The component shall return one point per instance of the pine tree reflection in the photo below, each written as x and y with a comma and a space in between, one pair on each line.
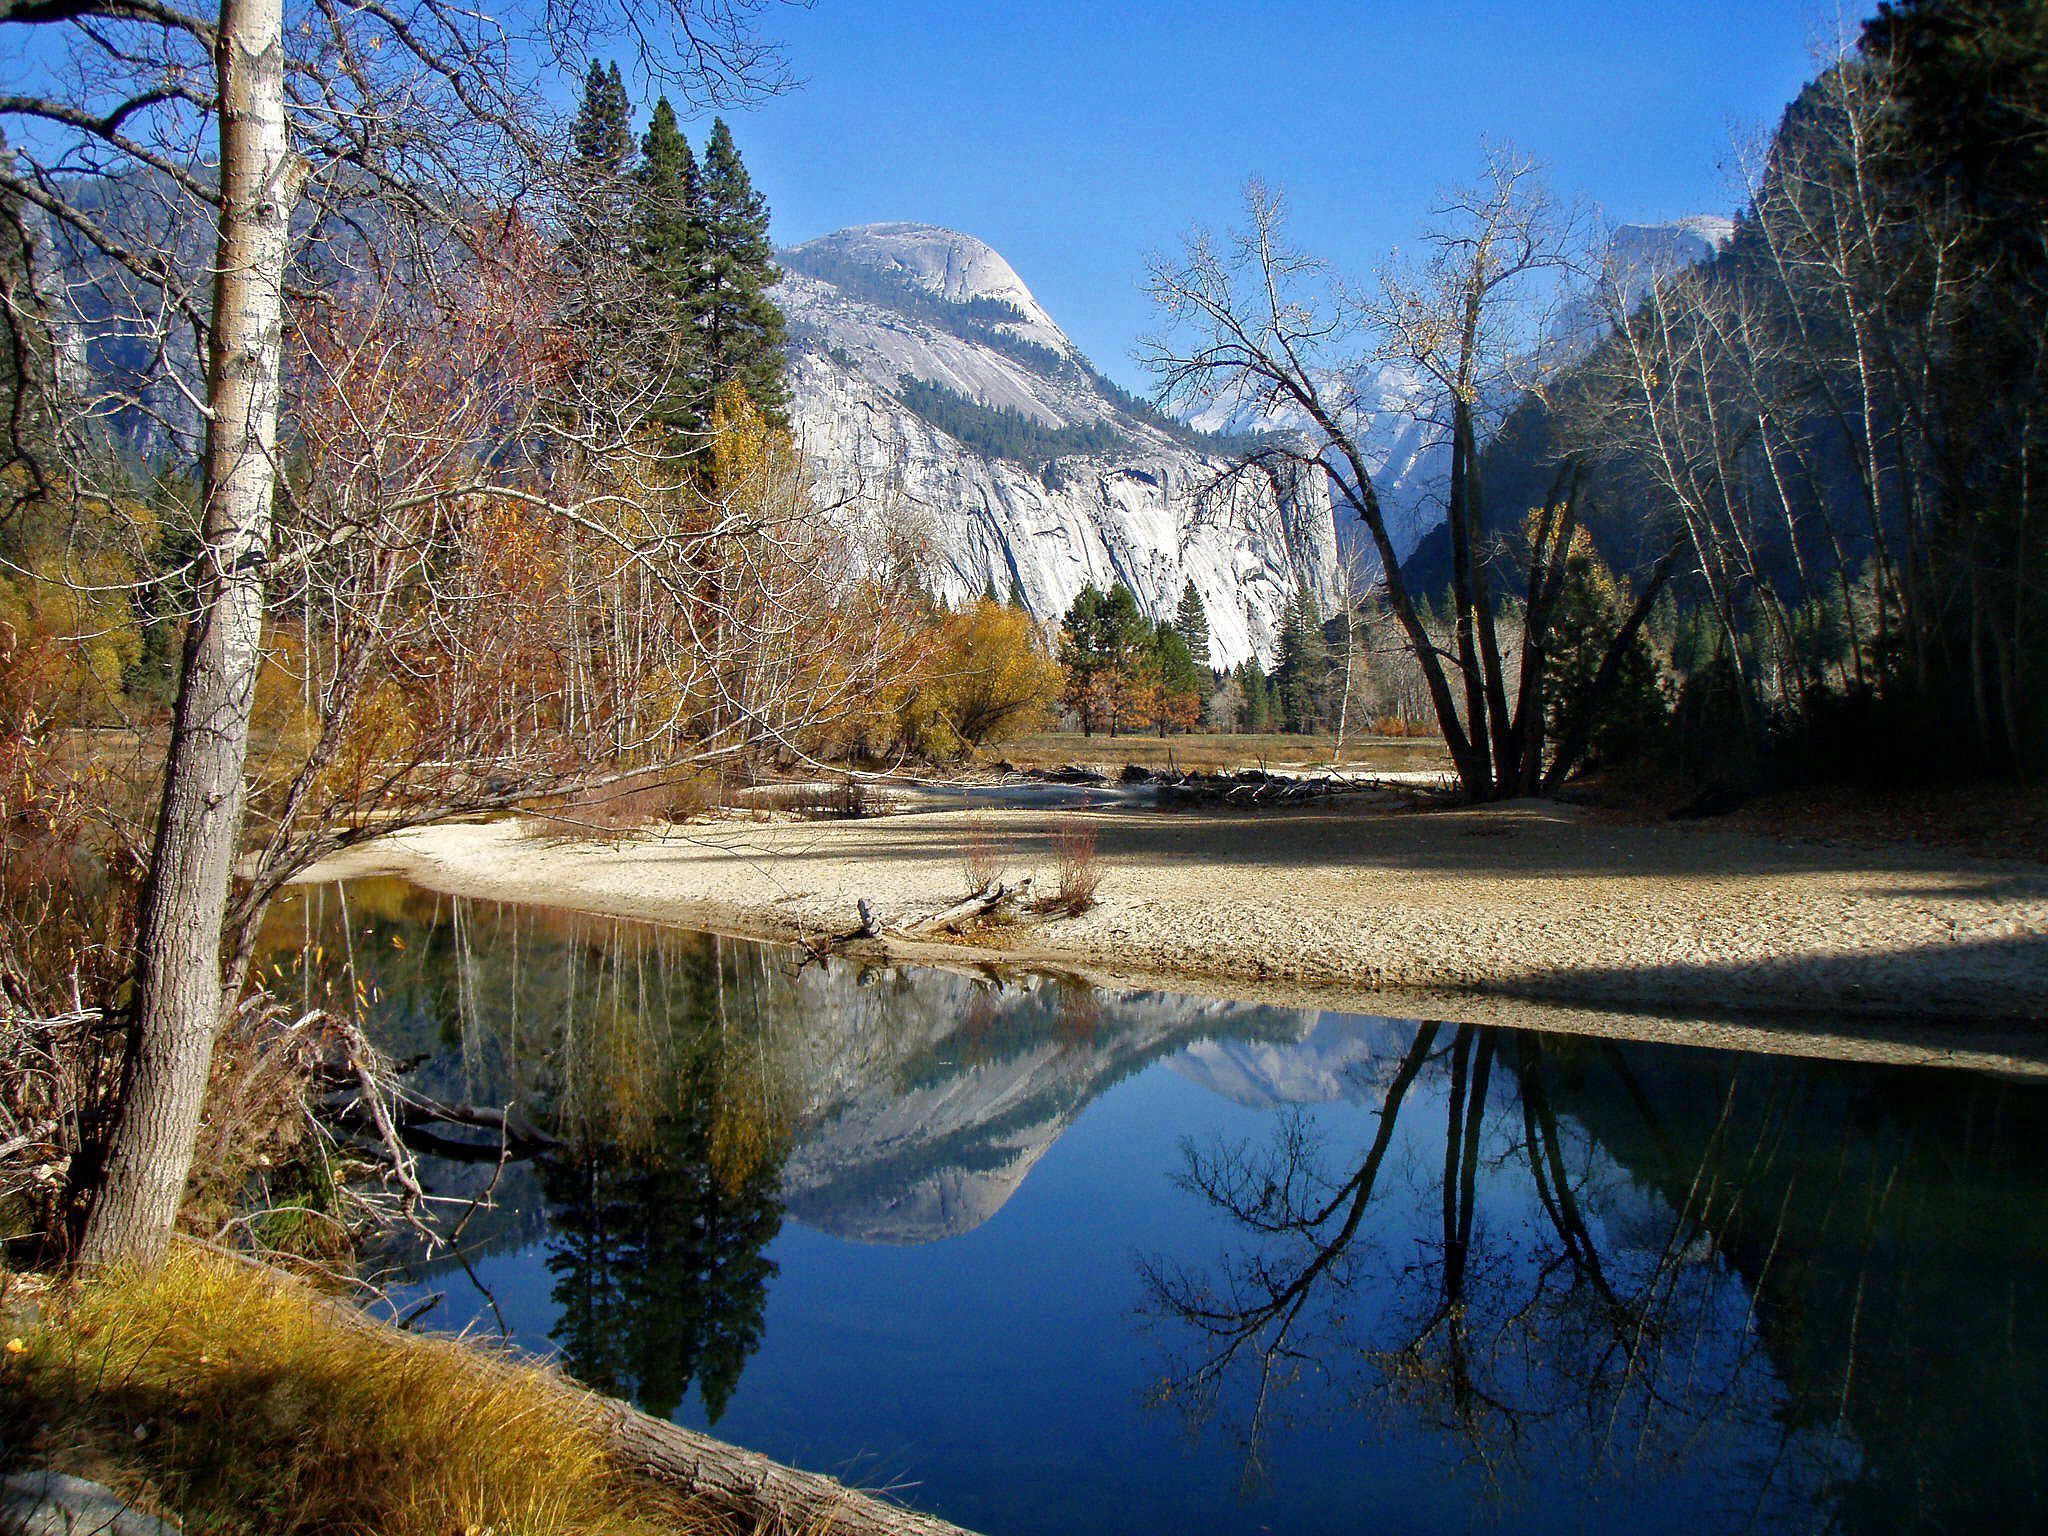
665, 1197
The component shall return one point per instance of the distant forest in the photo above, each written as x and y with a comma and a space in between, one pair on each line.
1003, 432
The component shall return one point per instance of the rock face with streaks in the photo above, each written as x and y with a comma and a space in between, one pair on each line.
928, 384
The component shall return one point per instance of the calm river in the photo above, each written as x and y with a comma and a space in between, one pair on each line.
1051, 1260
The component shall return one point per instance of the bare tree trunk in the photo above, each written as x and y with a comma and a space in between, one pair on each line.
178, 998
1475, 769
1350, 660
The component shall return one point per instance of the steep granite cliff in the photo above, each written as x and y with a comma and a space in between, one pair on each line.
927, 382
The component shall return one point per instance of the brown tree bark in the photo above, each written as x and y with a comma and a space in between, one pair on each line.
178, 989
751, 1484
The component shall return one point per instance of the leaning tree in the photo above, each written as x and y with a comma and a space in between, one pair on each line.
1254, 321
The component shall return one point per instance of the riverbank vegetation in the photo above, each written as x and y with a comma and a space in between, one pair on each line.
240, 1401
1765, 517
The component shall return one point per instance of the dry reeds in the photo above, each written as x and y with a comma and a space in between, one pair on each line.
617, 811
242, 1403
985, 859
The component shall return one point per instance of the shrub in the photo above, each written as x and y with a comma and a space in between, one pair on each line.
845, 799
985, 859
614, 812
985, 679
1077, 866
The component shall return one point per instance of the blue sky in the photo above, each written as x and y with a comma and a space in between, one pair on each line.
1076, 137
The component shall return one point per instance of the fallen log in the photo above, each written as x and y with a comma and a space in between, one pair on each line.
523, 1135
409, 1111
749, 1482
981, 906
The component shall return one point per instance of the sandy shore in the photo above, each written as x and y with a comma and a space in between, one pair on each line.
1523, 913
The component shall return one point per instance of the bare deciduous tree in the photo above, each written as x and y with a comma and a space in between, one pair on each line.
202, 166
1256, 321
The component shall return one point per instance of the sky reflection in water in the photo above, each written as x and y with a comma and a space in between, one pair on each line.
1060, 1261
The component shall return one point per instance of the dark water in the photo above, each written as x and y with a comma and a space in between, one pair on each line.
1051, 1260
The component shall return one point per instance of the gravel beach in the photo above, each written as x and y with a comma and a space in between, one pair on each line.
1493, 910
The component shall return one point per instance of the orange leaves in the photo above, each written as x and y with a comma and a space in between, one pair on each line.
983, 676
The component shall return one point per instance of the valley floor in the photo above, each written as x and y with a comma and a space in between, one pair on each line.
1532, 912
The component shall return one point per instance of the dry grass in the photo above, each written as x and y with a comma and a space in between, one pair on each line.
1077, 866
238, 1402
615, 812
985, 859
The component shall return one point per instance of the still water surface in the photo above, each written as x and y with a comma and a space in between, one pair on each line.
1047, 1259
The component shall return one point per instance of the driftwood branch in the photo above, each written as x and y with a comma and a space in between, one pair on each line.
524, 1137
710, 1469
399, 1110
992, 901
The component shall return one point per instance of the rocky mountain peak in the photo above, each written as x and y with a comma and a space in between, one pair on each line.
953, 267
927, 380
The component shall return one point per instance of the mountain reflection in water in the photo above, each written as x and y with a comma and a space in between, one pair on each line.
1064, 1260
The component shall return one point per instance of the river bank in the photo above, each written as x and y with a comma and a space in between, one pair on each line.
1529, 912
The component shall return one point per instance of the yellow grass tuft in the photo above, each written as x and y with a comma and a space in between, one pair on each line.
240, 1402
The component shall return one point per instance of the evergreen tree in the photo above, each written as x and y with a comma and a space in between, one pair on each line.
1256, 714
602, 135
596, 241
1107, 648
1017, 597
741, 328
1191, 623
1180, 681
669, 248
1301, 674
988, 593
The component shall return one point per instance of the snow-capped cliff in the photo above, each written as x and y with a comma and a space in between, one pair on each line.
928, 383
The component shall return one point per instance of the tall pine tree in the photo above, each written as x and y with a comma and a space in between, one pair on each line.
1191, 623
597, 243
602, 135
741, 328
1301, 675
669, 249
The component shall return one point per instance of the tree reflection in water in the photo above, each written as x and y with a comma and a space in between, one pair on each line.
664, 1199
1724, 1290
647, 1053
1725, 1256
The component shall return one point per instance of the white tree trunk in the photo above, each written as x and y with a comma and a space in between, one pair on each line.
178, 990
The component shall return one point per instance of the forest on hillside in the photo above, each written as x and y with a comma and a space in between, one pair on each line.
1767, 519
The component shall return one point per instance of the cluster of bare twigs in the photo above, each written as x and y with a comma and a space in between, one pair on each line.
52, 1072
1077, 866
